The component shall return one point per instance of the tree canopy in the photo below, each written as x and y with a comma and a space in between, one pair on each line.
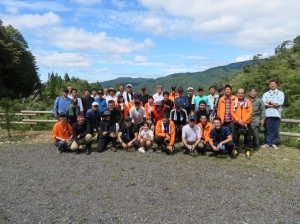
18, 69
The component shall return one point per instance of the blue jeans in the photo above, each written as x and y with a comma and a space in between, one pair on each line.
272, 130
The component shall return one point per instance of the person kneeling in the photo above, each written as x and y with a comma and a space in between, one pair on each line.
145, 138
220, 139
191, 136
107, 132
128, 134
165, 134
81, 135
61, 133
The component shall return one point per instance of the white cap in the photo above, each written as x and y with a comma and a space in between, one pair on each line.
129, 85
190, 88
95, 104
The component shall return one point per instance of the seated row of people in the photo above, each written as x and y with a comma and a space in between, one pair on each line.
200, 137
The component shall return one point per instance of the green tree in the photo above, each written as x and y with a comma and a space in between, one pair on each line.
18, 69
7, 113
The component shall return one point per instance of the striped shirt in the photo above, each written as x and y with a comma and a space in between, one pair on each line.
228, 117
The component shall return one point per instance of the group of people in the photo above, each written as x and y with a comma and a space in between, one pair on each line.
199, 123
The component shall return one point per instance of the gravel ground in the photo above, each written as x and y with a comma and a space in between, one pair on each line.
40, 186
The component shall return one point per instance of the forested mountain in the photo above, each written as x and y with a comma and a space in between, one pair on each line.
18, 69
196, 79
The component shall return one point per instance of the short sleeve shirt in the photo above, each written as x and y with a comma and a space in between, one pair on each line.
220, 135
191, 134
149, 133
132, 129
137, 115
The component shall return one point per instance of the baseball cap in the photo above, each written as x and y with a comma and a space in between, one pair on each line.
106, 113
127, 119
143, 88
180, 89
178, 102
129, 85
173, 87
137, 101
202, 102
62, 114
200, 89
190, 88
95, 104
192, 117
221, 88
100, 92
158, 103
74, 101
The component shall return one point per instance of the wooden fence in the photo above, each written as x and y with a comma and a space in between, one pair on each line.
31, 121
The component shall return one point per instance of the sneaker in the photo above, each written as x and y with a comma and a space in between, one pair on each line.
228, 157
59, 150
88, 151
248, 155
265, 146
114, 148
274, 146
235, 153
141, 149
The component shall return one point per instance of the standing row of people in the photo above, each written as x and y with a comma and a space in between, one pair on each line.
240, 115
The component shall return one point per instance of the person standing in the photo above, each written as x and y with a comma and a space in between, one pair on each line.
179, 117
128, 96
61, 103
221, 91
224, 108
200, 97
158, 96
257, 118
241, 110
191, 97
112, 95
87, 101
173, 93
94, 94
93, 115
143, 96
74, 96
148, 108
81, 135
273, 100
182, 99
137, 113
72, 111
102, 105
167, 103
212, 97
106, 93
61, 133
121, 90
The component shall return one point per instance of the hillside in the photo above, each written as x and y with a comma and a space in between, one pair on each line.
196, 79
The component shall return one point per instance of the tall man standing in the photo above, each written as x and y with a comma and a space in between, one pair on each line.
257, 118
211, 97
224, 108
241, 114
61, 103
273, 100
87, 101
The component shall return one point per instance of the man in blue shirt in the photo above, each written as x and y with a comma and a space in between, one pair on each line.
273, 100
102, 105
183, 100
93, 115
220, 139
61, 103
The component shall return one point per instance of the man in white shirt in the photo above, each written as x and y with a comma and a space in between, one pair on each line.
211, 97
128, 96
106, 93
158, 96
138, 114
121, 90
112, 95
74, 95
191, 136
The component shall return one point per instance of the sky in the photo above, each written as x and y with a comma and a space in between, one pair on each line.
100, 40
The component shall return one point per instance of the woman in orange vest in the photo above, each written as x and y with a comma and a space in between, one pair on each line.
156, 113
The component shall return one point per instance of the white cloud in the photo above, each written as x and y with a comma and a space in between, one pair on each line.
86, 2
12, 10
31, 21
35, 6
243, 58
100, 71
193, 57
79, 39
65, 60
119, 4
140, 59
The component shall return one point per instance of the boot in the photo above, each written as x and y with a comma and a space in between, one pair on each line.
88, 148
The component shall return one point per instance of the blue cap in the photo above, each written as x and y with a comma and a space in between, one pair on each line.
192, 117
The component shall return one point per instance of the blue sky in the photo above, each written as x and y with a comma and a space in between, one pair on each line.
99, 40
